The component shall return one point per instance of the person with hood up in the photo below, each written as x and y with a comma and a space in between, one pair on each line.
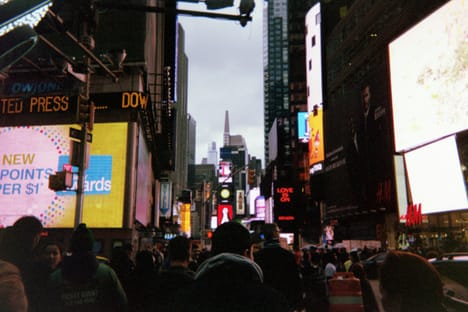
82, 283
229, 280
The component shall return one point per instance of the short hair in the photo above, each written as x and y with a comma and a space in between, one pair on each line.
230, 237
27, 228
269, 231
414, 279
179, 248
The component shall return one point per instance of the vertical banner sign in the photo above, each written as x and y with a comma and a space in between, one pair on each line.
165, 199
240, 202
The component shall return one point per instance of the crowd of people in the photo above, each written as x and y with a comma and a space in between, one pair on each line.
39, 274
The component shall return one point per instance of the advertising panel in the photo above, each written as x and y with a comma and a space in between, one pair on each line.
316, 142
31, 153
284, 212
144, 189
224, 172
429, 92
224, 213
240, 202
315, 89
435, 177
303, 131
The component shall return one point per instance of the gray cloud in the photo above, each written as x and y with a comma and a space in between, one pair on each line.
225, 73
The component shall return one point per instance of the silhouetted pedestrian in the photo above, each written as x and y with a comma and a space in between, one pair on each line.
279, 266
82, 283
17, 247
122, 262
141, 287
12, 294
370, 305
176, 276
230, 280
315, 285
409, 283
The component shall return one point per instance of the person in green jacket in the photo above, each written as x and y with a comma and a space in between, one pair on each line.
84, 284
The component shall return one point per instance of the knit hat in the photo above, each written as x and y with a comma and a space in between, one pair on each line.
82, 239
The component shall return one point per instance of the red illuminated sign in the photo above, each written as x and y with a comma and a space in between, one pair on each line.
285, 218
285, 194
224, 213
413, 214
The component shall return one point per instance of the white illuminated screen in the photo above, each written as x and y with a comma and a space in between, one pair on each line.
429, 77
435, 177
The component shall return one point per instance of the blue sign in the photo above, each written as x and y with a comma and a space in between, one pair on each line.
98, 179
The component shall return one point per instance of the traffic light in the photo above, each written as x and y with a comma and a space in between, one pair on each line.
246, 7
225, 193
252, 177
61, 181
86, 111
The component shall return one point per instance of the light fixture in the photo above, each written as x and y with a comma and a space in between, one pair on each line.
17, 36
16, 13
15, 44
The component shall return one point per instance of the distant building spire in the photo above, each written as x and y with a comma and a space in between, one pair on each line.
226, 129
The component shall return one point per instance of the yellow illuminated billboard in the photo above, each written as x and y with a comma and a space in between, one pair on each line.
29, 154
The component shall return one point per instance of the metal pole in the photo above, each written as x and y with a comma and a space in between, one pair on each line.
83, 153
88, 41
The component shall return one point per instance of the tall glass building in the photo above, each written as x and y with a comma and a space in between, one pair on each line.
276, 72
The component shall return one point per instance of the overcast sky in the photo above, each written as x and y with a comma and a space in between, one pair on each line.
225, 73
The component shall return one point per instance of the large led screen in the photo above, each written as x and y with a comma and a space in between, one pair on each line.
435, 177
429, 77
29, 154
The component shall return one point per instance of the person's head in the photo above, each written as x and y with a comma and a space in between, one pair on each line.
231, 237
270, 231
144, 260
315, 258
27, 231
82, 240
408, 282
51, 253
354, 256
179, 249
365, 96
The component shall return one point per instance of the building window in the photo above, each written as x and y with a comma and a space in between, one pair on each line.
313, 41
310, 64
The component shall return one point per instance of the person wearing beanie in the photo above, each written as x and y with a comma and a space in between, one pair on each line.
229, 280
82, 283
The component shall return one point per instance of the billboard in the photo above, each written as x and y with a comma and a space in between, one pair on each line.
316, 142
435, 177
225, 213
314, 88
429, 78
303, 132
31, 153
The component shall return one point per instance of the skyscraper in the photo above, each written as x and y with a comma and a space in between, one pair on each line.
276, 71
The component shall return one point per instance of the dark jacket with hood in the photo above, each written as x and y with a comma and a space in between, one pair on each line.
84, 284
229, 282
